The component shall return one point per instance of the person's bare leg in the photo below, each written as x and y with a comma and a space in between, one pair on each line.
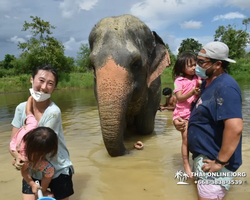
29, 197
200, 198
185, 152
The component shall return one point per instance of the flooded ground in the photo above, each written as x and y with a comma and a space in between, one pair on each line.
147, 174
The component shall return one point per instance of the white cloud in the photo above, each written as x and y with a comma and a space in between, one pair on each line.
69, 43
169, 12
28, 36
16, 39
7, 16
243, 4
70, 7
73, 45
231, 15
191, 24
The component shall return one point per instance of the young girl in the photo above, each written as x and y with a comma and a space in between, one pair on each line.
30, 146
186, 91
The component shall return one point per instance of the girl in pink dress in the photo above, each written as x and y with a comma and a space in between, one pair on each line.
30, 146
186, 91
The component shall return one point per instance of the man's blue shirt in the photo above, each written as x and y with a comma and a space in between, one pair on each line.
219, 101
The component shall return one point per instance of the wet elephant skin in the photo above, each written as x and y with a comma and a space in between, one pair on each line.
127, 59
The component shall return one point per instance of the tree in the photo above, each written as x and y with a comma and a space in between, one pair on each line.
171, 55
189, 45
236, 40
7, 64
42, 48
82, 60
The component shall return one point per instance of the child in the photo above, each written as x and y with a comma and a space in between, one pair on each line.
186, 91
170, 100
30, 146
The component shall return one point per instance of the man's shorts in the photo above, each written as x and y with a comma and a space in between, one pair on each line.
214, 190
61, 187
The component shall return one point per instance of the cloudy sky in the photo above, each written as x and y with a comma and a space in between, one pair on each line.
173, 20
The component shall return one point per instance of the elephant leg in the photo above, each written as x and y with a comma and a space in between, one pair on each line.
145, 121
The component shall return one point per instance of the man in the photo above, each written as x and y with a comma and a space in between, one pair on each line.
171, 100
215, 125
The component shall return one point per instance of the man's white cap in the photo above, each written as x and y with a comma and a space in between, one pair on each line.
216, 50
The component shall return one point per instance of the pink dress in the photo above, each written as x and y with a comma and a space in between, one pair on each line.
17, 144
185, 85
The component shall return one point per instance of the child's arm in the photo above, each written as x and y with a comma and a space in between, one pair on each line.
28, 179
183, 97
48, 171
45, 183
29, 106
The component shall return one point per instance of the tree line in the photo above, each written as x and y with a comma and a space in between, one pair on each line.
43, 48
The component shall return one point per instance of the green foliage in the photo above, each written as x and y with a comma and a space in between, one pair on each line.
82, 60
171, 55
189, 45
42, 48
7, 64
236, 40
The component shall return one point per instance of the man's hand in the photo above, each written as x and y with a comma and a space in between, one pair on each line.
180, 124
211, 166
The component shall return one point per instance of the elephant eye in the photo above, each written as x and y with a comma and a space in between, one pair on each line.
137, 64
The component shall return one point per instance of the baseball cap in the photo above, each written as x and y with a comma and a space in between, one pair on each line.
216, 50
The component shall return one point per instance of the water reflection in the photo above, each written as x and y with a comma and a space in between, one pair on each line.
147, 174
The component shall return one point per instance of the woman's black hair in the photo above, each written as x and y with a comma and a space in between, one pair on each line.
182, 60
46, 68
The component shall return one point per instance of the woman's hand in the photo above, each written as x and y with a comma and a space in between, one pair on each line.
35, 187
48, 194
180, 124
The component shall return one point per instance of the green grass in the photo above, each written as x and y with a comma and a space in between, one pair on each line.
86, 80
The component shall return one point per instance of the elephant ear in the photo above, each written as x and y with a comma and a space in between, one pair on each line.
158, 61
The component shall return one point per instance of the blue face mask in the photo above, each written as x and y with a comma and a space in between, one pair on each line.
201, 72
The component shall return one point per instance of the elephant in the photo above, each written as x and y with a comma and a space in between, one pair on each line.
127, 59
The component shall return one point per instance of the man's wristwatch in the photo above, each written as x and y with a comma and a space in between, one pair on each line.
220, 162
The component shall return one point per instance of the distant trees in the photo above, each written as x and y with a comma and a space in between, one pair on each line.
82, 59
42, 48
189, 45
7, 62
237, 40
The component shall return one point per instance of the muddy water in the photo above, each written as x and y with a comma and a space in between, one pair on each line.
147, 174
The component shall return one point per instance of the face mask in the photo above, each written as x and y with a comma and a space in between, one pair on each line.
201, 72
39, 96
167, 96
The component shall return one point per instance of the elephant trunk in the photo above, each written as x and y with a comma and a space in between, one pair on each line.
113, 92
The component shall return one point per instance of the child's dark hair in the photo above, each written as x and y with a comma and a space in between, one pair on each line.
46, 68
166, 91
182, 60
39, 143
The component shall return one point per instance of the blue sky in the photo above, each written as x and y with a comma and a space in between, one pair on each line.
173, 20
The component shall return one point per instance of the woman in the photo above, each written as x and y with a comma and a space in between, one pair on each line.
48, 114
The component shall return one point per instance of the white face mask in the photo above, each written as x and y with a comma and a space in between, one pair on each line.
39, 96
